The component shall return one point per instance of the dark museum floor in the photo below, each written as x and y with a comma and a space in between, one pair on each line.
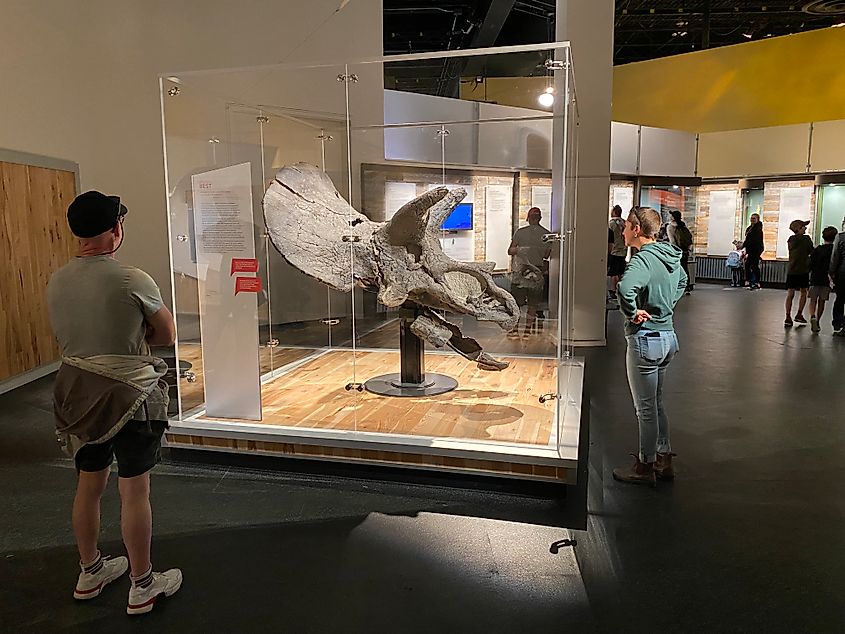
746, 540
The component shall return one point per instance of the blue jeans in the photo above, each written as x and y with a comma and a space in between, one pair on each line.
752, 270
649, 354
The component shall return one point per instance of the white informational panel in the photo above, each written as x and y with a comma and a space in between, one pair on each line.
624, 197
624, 148
396, 195
499, 222
228, 284
667, 152
541, 197
459, 245
722, 222
794, 205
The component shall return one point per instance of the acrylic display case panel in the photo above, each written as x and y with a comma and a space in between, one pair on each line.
311, 316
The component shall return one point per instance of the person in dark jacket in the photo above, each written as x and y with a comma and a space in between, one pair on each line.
679, 234
754, 248
653, 283
819, 278
836, 272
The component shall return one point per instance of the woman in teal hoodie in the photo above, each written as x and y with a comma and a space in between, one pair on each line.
653, 283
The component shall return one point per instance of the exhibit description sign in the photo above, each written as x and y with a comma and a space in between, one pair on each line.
541, 196
794, 205
721, 223
624, 197
228, 287
499, 223
397, 194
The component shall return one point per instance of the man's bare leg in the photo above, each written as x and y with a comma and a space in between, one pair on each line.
86, 512
789, 295
136, 521
802, 301
819, 311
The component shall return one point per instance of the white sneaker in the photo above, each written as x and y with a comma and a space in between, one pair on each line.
142, 600
89, 586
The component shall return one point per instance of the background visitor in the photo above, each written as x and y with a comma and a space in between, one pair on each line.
680, 235
754, 248
735, 264
819, 278
798, 270
529, 268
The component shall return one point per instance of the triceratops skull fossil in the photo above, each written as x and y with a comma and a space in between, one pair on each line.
320, 234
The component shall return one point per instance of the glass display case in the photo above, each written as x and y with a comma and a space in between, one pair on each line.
667, 198
347, 281
752, 203
830, 208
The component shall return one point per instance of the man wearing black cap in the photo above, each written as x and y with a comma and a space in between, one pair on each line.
529, 269
108, 398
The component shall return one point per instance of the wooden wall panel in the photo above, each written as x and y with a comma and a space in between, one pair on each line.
34, 241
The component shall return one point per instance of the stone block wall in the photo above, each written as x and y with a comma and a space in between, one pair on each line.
375, 177
771, 213
701, 225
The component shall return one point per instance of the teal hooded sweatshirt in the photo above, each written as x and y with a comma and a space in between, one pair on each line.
654, 282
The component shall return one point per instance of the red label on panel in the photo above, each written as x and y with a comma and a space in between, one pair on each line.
244, 265
247, 285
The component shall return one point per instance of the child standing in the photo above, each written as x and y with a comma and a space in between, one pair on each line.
735, 264
798, 270
819, 278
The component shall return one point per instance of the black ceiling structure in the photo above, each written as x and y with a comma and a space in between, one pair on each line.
644, 29
648, 30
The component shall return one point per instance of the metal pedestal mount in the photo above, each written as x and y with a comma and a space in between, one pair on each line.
413, 380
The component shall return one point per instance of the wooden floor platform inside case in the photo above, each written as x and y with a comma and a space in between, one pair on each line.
493, 423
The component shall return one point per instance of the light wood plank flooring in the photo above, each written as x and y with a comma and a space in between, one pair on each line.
499, 406
193, 394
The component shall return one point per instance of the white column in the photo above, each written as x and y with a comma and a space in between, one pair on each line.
588, 25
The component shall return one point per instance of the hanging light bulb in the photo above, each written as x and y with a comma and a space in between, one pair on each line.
547, 97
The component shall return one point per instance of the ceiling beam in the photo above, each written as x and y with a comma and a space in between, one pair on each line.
485, 36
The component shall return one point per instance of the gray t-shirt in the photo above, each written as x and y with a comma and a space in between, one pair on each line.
97, 306
532, 237
617, 226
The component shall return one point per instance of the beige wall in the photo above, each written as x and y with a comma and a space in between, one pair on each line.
80, 82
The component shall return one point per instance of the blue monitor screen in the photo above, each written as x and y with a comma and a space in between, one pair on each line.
460, 219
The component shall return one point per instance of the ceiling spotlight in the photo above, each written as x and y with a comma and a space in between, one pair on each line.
747, 35
675, 187
547, 97
837, 26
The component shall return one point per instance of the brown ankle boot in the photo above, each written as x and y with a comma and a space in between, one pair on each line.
663, 468
640, 473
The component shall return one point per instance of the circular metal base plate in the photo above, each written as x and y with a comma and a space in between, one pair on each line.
391, 385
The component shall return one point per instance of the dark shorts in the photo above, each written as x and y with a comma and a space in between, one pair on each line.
526, 296
137, 447
797, 281
615, 265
